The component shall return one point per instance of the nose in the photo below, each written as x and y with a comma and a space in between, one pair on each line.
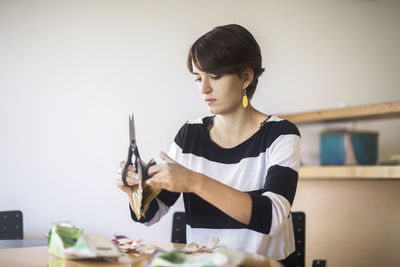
205, 86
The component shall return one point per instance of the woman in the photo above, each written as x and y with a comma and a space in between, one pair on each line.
237, 169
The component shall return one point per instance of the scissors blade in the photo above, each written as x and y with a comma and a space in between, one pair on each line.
132, 137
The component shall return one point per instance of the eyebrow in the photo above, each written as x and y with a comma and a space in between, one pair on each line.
195, 73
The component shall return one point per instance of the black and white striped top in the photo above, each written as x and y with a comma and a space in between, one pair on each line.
265, 166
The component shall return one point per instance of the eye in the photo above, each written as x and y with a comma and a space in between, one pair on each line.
198, 79
215, 77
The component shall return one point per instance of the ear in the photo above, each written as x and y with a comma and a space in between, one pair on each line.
247, 77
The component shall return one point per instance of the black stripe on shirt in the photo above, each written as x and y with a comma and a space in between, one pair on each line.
201, 214
194, 139
261, 214
168, 198
282, 181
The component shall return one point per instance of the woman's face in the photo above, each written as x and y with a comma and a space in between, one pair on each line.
223, 94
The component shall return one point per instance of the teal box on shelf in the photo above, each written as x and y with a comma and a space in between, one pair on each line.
341, 147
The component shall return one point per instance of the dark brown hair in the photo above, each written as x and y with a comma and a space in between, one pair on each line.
227, 49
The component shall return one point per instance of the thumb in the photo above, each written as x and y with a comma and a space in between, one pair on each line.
166, 158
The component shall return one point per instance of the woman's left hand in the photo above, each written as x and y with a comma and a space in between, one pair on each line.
172, 176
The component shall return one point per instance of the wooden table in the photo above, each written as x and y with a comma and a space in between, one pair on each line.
22, 243
39, 256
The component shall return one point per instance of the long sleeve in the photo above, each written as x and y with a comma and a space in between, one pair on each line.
271, 209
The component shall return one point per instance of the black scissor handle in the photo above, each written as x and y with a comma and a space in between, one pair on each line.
145, 169
126, 165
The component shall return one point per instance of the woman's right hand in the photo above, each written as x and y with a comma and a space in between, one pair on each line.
132, 178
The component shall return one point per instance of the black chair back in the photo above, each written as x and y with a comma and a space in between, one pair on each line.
11, 225
299, 226
179, 228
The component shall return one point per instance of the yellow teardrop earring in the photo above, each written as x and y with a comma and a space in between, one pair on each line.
245, 101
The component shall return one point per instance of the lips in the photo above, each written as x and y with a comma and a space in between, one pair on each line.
210, 101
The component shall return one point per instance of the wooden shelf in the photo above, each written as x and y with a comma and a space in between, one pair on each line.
349, 172
373, 111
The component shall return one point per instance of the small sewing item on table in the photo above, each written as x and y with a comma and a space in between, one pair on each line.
142, 193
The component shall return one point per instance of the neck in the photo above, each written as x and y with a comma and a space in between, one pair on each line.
238, 123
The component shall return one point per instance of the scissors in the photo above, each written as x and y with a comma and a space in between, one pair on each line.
140, 165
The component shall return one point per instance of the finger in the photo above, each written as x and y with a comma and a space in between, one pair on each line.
153, 182
166, 158
118, 183
118, 179
131, 168
132, 181
132, 174
132, 178
119, 169
155, 169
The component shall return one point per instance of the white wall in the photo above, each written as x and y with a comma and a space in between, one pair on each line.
72, 71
